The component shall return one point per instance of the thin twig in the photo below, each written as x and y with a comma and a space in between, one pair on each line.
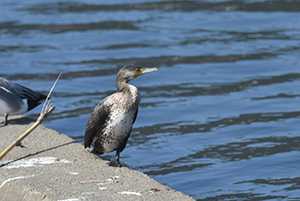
46, 110
47, 103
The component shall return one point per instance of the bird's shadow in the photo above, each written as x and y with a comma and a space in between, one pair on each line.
38, 152
21, 120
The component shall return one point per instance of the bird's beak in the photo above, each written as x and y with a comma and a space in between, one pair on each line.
144, 71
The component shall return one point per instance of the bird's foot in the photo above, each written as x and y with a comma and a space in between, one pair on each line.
115, 163
3, 124
19, 144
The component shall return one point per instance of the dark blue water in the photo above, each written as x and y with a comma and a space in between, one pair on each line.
219, 120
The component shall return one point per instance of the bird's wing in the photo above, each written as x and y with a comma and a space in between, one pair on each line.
10, 87
95, 123
20, 91
135, 115
31, 95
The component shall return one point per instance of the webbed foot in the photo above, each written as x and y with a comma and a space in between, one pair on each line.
115, 163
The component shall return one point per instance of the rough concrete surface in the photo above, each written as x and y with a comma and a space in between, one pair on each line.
55, 167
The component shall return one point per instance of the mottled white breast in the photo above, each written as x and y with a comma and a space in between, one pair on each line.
118, 128
120, 120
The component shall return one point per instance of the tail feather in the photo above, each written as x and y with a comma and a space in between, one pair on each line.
35, 99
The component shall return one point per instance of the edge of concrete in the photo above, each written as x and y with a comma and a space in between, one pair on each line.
56, 167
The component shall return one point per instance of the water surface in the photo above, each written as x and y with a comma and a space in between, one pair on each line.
218, 121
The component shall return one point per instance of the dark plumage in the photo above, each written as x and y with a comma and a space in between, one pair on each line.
110, 123
17, 99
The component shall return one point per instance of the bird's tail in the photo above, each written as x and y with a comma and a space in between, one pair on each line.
39, 98
33, 98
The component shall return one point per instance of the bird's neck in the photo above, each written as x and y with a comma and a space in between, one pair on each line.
127, 88
129, 91
123, 86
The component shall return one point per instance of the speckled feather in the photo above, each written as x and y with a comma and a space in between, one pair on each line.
110, 124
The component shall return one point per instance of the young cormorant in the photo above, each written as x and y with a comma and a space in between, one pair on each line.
17, 99
110, 123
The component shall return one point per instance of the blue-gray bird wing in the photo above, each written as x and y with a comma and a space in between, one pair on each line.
20, 91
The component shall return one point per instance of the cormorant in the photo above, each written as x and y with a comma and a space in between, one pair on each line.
110, 123
17, 99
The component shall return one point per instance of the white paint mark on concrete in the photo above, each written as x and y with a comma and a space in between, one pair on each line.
14, 178
74, 173
129, 193
88, 181
35, 162
113, 179
73, 199
103, 188
110, 181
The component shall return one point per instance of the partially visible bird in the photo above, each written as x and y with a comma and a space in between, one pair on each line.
110, 123
16, 99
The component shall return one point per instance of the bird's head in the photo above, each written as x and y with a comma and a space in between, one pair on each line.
128, 73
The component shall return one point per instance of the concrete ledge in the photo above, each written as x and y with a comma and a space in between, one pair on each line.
55, 167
